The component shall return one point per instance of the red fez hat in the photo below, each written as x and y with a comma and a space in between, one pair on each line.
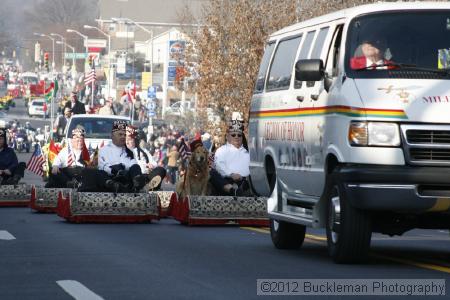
195, 144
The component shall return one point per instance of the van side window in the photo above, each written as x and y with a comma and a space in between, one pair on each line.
259, 86
318, 46
332, 63
282, 64
304, 53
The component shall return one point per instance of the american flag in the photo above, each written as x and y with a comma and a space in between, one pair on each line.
184, 150
89, 77
70, 156
211, 160
36, 161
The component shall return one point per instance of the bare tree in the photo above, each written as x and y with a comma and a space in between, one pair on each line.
55, 16
228, 49
49, 13
8, 33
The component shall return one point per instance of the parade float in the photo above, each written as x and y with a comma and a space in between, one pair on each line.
46, 199
85, 207
15, 195
219, 210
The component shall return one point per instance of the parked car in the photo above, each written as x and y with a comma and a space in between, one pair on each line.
177, 109
36, 108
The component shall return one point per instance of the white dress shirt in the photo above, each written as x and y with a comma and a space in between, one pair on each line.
111, 155
228, 160
61, 161
142, 162
381, 62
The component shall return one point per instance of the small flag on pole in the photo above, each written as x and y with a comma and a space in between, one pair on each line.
90, 77
70, 158
211, 160
184, 150
48, 93
36, 161
52, 151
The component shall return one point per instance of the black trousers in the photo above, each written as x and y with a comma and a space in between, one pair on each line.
218, 182
18, 171
94, 180
67, 174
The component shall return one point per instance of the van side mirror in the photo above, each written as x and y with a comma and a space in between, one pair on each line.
309, 70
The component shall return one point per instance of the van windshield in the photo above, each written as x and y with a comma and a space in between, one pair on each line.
402, 44
96, 128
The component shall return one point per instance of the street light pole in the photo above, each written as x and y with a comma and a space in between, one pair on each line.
53, 47
128, 20
109, 54
53, 70
73, 52
142, 28
63, 49
85, 39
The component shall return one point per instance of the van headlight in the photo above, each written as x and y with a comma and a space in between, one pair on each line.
374, 134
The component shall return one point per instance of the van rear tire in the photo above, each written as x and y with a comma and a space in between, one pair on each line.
348, 229
286, 235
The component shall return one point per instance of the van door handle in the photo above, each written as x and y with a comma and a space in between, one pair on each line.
315, 97
300, 98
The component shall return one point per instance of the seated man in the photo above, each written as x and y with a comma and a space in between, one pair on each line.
118, 171
149, 167
11, 171
372, 58
231, 163
68, 165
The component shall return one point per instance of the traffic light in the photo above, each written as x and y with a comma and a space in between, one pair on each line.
90, 61
46, 61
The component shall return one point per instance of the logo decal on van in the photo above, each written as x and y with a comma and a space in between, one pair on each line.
403, 94
284, 131
328, 110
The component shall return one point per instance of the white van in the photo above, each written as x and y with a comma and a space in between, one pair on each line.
98, 128
340, 143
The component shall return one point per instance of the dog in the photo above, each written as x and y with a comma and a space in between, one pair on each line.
195, 180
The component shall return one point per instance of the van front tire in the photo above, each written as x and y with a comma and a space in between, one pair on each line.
286, 235
348, 228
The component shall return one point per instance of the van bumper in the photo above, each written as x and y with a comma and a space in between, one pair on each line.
403, 189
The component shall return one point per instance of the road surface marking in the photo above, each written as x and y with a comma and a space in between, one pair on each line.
317, 238
413, 263
260, 230
78, 290
5, 235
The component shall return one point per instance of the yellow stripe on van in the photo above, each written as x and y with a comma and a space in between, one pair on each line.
327, 110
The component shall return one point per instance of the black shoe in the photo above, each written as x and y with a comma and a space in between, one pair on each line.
112, 186
139, 182
72, 184
155, 183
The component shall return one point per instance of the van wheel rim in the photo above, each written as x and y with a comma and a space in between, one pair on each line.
276, 225
335, 218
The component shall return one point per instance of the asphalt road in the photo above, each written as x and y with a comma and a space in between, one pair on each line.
165, 260
44, 257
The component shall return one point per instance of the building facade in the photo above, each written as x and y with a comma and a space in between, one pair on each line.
154, 29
